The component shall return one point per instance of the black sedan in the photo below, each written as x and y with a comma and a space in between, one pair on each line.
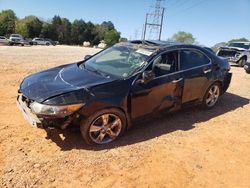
105, 93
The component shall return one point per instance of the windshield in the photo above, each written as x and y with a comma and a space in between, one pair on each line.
15, 36
120, 61
240, 45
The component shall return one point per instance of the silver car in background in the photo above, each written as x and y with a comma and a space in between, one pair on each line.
16, 39
41, 41
236, 53
4, 41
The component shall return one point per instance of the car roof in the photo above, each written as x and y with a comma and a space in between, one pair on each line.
162, 45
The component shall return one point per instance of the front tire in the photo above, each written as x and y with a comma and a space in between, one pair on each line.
103, 127
212, 95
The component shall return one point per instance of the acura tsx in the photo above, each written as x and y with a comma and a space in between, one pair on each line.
105, 93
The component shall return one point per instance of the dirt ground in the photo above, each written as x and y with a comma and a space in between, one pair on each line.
190, 148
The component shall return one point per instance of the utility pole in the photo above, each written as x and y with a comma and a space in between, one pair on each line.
154, 22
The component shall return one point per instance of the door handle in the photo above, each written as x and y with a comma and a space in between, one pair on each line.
176, 81
207, 71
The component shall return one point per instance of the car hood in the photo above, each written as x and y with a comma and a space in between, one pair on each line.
59, 80
233, 48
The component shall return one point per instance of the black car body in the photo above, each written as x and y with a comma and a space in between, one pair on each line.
156, 76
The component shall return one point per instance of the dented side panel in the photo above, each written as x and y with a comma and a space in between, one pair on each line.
161, 93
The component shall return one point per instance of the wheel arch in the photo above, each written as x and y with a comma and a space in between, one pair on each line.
207, 88
244, 57
88, 112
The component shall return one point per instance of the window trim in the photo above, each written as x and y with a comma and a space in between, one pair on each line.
179, 71
177, 66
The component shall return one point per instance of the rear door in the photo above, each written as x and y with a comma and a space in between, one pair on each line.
162, 92
197, 71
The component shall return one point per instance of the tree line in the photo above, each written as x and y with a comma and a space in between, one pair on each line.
58, 29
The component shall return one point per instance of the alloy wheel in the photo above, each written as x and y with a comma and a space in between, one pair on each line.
213, 95
105, 128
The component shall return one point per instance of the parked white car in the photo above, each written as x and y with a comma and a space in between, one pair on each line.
41, 41
4, 40
16, 39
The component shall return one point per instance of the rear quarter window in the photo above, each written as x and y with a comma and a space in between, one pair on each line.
191, 59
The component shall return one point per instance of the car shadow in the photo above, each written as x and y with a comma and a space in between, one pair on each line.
153, 127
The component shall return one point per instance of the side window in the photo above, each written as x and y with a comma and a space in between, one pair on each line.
165, 63
190, 59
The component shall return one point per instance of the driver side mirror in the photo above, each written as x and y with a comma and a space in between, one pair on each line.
87, 57
147, 76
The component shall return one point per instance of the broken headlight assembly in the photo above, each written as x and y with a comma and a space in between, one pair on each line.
49, 110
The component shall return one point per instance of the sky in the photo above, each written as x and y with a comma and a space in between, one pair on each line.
210, 21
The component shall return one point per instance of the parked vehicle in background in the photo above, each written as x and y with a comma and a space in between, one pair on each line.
54, 43
247, 67
41, 41
103, 94
236, 52
4, 40
16, 39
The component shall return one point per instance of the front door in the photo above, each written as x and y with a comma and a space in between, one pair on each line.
163, 91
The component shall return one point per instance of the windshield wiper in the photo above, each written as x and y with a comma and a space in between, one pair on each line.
97, 71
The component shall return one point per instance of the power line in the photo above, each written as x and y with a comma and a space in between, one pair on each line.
188, 8
176, 2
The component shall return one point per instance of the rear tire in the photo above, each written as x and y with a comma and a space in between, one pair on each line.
242, 62
103, 127
212, 95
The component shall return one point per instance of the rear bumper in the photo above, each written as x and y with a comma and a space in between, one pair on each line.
227, 81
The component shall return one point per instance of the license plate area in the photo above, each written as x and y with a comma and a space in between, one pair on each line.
27, 113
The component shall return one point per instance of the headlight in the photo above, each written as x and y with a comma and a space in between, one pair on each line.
60, 111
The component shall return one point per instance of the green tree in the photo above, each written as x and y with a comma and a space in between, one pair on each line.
48, 31
108, 25
112, 37
183, 37
238, 40
62, 26
7, 22
77, 31
56, 26
65, 31
29, 27
101, 30
21, 28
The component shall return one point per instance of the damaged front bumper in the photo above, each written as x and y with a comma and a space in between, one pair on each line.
44, 121
27, 113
